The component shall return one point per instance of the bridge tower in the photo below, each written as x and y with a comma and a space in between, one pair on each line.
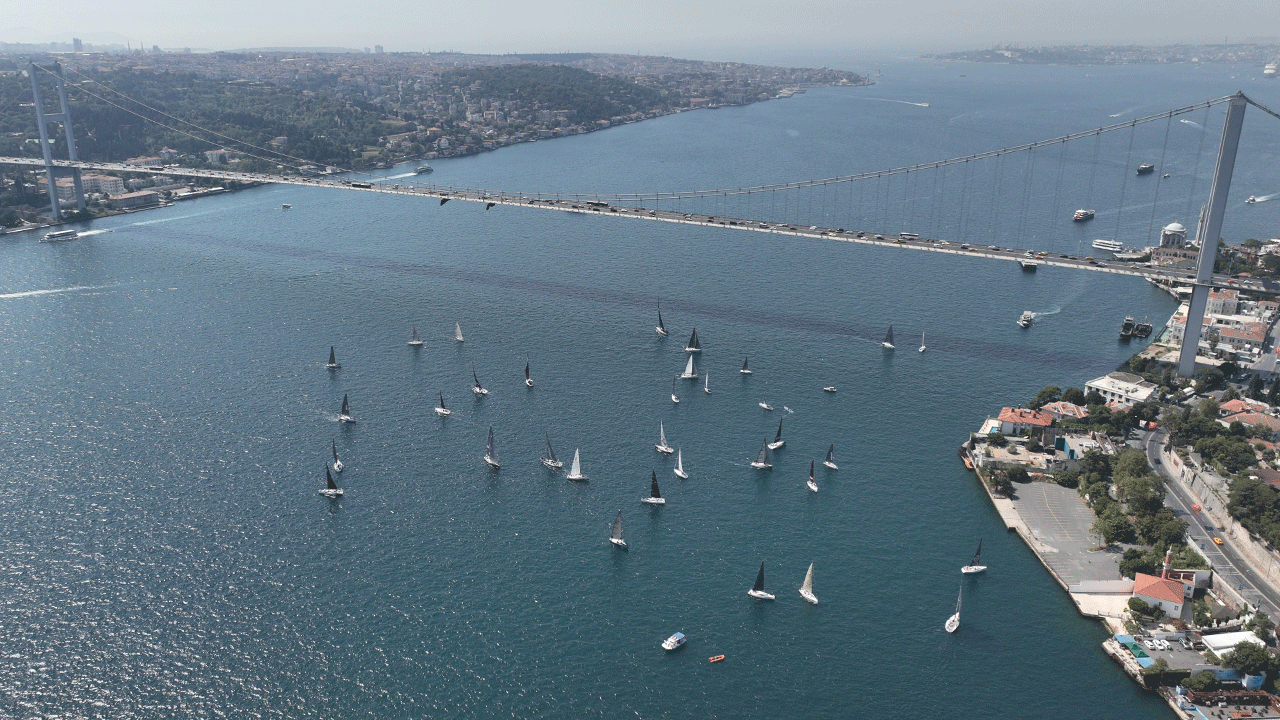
1209, 232
42, 120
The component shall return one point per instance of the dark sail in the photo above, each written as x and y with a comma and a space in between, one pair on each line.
526, 369
977, 557
442, 400
551, 454
693, 341
329, 476
759, 586
778, 437
661, 327
810, 471
346, 409
831, 451
333, 360
335, 450
616, 534
888, 337
744, 364
653, 489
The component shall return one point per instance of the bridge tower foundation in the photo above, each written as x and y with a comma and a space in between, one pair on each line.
42, 120
1209, 233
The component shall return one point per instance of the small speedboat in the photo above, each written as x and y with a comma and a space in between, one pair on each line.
674, 641
1251, 200
829, 388
716, 658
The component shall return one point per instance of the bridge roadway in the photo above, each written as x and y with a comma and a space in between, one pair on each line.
578, 204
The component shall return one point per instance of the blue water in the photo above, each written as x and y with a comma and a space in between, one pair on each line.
164, 552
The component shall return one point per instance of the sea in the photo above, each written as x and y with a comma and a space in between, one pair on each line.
168, 417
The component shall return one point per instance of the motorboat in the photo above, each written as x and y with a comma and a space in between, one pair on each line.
662, 445
423, 170
1025, 320
1146, 169
757, 590
675, 641
655, 495
1251, 200
829, 388
1126, 328
60, 236
1082, 215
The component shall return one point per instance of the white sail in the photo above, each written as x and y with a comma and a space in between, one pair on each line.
615, 536
953, 622
806, 590
689, 372
674, 397
662, 445
679, 471
922, 342
491, 452
337, 464
575, 470
457, 332
706, 384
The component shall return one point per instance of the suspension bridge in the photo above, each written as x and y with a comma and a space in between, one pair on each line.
856, 208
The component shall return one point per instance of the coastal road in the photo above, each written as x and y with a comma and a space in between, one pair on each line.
1227, 562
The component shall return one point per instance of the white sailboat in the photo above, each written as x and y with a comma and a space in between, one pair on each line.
922, 348
333, 363
662, 329
662, 445
655, 495
575, 470
689, 372
441, 410
831, 457
777, 439
745, 370
812, 485
806, 590
953, 622
344, 415
491, 452
693, 345
457, 332
528, 381
550, 458
762, 460
679, 471
615, 535
757, 590
674, 397
337, 464
764, 400
888, 339
415, 340
478, 389
706, 383
975, 565
331, 490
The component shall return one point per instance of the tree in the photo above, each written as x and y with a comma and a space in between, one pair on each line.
1262, 625
1000, 485
1131, 462
1033, 445
1157, 668
1209, 408
1075, 396
1094, 461
1209, 378
1273, 392
1093, 397
1018, 474
1250, 659
1067, 478
1256, 386
1230, 394
1113, 526
997, 439
1048, 394
1201, 681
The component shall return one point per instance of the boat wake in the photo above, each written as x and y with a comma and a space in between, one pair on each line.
169, 219
1038, 315
54, 291
1258, 198
88, 233
904, 102
1192, 123
1125, 112
401, 175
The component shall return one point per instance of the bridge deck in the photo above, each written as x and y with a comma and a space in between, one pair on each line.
578, 205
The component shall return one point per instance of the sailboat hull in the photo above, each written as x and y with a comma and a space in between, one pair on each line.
760, 595
492, 462
576, 478
953, 622
681, 474
337, 466
808, 595
528, 382
812, 485
664, 449
346, 419
619, 543
660, 331
762, 466
777, 444
830, 464
331, 493
972, 569
552, 464
654, 501
443, 412
479, 391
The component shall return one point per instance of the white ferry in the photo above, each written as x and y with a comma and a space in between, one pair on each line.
60, 236
1108, 245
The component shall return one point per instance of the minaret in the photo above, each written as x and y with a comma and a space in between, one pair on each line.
1168, 563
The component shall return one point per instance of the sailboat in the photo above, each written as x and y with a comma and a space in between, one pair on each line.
674, 397
337, 464
491, 452
757, 590
693, 345
745, 370
706, 383
615, 535
975, 565
777, 439
689, 372
679, 471
575, 470
953, 622
662, 445
662, 329
806, 590
655, 495
550, 458
457, 332
478, 389
831, 457
888, 339
332, 490
333, 363
762, 460
344, 415
812, 485
922, 342
441, 410
527, 380
415, 340
764, 401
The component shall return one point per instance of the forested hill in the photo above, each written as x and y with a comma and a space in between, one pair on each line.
590, 97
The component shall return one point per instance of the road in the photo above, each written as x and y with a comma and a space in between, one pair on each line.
1227, 562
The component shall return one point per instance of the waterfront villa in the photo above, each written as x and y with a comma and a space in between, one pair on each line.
1122, 388
1062, 410
1015, 421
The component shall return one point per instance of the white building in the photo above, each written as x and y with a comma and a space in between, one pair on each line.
1123, 389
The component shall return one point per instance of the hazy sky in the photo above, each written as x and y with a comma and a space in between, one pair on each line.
702, 29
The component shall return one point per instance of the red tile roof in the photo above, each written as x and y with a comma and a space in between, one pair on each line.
1025, 417
1158, 588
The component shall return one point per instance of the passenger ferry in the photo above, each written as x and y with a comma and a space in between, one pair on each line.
60, 236
423, 170
1108, 245
1082, 215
